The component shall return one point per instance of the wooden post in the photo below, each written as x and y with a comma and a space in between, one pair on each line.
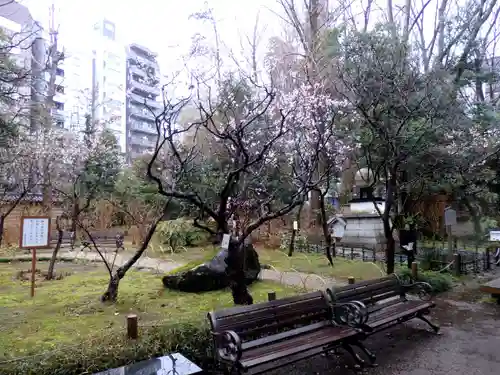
271, 296
351, 280
132, 332
414, 271
33, 271
457, 261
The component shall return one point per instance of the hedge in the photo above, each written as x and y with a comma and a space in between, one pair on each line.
192, 339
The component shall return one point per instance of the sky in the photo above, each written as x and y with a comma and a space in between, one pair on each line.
161, 25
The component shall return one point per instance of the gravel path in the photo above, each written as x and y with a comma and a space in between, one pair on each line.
298, 279
469, 345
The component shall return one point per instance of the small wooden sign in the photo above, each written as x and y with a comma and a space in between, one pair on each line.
295, 225
35, 232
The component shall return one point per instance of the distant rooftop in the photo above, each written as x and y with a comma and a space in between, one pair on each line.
143, 49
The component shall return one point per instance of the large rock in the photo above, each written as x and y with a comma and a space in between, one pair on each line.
212, 275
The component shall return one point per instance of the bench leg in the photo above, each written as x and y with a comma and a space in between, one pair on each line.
372, 357
432, 325
359, 361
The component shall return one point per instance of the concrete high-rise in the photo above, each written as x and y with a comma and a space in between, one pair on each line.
109, 80
143, 91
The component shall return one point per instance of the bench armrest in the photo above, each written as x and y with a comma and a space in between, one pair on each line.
353, 314
422, 289
228, 346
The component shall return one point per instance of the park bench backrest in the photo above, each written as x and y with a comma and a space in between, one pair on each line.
368, 292
250, 322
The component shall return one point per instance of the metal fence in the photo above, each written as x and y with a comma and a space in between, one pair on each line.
470, 261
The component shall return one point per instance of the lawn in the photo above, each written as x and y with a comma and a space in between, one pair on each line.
318, 264
67, 311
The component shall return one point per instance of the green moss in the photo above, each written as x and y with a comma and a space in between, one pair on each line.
67, 312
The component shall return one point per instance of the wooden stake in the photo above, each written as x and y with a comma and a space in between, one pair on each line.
271, 296
132, 331
33, 271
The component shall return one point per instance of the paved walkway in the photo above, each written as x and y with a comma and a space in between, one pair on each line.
298, 279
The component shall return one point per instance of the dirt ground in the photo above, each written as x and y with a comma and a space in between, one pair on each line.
469, 344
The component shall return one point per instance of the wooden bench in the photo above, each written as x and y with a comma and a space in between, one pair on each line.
67, 239
104, 239
258, 338
385, 302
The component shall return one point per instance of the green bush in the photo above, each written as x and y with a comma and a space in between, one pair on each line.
192, 339
440, 282
180, 233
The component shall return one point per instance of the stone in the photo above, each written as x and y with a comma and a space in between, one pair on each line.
212, 274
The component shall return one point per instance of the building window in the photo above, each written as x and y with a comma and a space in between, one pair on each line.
60, 123
60, 72
59, 106
60, 89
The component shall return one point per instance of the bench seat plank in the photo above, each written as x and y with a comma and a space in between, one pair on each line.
316, 339
403, 310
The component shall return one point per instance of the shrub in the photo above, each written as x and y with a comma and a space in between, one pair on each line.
180, 233
440, 282
192, 339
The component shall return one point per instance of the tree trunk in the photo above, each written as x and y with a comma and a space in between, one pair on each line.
326, 231
390, 250
236, 273
2, 218
52, 263
111, 293
291, 247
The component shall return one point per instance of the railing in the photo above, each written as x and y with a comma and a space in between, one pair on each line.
144, 88
470, 261
143, 127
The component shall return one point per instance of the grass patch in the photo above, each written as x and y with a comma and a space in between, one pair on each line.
68, 312
318, 264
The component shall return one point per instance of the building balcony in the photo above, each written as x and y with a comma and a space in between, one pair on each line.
143, 142
141, 88
134, 56
153, 104
143, 127
142, 113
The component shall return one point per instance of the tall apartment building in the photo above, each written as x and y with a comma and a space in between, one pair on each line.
109, 80
21, 37
143, 91
74, 87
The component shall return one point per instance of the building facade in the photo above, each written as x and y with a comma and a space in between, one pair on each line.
109, 80
142, 105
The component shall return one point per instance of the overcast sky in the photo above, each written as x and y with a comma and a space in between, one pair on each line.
161, 25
